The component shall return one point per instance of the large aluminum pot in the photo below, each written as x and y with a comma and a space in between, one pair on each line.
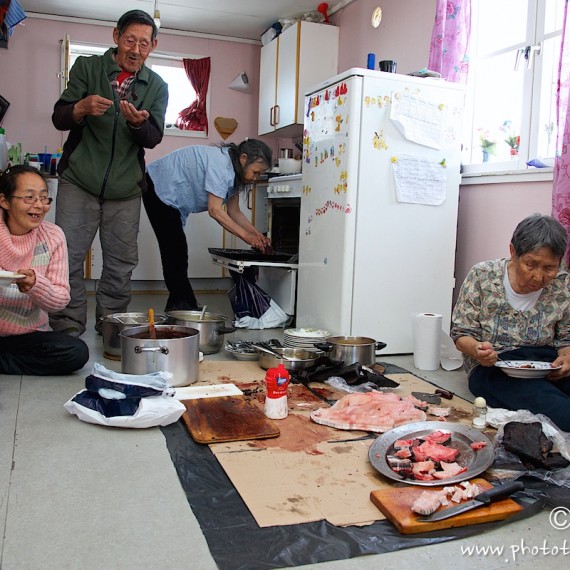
175, 350
296, 358
351, 349
211, 328
112, 325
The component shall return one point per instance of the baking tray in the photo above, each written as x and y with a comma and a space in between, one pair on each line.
251, 255
462, 437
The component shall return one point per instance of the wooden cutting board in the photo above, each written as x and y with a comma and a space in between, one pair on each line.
396, 504
227, 418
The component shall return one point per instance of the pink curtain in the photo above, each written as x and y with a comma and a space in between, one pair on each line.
561, 183
194, 117
449, 49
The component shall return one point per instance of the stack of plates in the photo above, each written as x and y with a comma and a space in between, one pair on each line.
304, 338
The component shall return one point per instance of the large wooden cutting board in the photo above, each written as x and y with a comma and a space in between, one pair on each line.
228, 418
396, 504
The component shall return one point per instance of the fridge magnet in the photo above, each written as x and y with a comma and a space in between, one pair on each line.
378, 141
371, 101
306, 189
443, 163
338, 120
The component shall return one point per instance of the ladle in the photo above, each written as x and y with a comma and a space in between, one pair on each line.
151, 327
203, 313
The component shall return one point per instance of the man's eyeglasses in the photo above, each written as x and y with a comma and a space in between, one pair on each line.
131, 42
45, 200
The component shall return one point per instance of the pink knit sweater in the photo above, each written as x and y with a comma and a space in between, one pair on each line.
45, 251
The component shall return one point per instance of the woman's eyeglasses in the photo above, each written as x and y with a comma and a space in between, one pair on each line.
45, 200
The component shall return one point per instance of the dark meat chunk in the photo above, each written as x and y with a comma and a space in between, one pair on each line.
529, 443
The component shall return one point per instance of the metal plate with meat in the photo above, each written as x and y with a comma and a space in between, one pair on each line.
462, 439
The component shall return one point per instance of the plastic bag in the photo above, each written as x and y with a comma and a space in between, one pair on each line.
274, 317
126, 400
247, 298
254, 308
498, 417
341, 384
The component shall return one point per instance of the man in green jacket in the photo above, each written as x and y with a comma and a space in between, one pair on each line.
114, 108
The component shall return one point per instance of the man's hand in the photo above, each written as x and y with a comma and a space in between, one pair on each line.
93, 105
134, 117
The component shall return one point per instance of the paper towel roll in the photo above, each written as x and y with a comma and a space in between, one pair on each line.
426, 331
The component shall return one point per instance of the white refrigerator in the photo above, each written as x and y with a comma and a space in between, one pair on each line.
381, 177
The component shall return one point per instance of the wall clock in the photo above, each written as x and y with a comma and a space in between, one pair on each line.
376, 17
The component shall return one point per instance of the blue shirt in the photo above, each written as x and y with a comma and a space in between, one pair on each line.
184, 178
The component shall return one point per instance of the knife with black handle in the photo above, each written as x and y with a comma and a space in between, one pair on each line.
481, 500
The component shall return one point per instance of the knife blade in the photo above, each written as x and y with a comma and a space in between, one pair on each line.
481, 500
427, 397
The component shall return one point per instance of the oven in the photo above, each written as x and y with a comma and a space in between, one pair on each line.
284, 212
276, 274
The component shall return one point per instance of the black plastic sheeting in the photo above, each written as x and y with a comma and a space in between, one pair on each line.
236, 541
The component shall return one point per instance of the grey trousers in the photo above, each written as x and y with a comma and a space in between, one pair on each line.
80, 215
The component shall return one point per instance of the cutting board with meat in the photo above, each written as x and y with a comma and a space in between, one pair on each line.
396, 505
228, 418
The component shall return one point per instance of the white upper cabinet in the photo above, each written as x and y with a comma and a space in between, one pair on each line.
302, 56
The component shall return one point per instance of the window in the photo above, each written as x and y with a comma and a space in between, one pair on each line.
511, 95
180, 91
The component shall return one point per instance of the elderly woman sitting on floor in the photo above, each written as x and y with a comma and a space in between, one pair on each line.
519, 309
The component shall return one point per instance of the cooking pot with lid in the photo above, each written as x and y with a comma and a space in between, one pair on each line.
211, 328
351, 349
175, 349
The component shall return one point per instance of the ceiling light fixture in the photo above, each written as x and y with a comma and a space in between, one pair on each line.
156, 14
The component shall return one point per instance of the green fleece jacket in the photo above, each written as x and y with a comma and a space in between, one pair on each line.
104, 155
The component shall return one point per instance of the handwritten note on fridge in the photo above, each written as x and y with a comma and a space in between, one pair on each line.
419, 120
419, 181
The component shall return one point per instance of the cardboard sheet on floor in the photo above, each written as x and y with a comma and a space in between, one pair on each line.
310, 472
235, 539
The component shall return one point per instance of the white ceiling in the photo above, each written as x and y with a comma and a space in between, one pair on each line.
235, 18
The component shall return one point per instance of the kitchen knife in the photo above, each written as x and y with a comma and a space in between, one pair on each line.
481, 500
427, 397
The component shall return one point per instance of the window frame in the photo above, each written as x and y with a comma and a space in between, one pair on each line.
531, 103
155, 57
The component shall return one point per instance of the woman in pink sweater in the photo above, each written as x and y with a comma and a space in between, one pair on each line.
38, 251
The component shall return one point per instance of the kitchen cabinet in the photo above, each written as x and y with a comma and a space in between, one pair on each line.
201, 232
300, 57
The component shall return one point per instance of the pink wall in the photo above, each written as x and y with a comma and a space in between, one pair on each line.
488, 215
403, 35
28, 79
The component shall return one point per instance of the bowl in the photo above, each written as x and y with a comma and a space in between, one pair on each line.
290, 166
295, 358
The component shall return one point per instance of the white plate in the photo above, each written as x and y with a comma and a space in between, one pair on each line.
247, 356
7, 277
307, 333
520, 368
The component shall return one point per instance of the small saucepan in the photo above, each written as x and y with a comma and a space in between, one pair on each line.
351, 349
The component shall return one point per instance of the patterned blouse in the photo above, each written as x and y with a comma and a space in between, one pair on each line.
483, 312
